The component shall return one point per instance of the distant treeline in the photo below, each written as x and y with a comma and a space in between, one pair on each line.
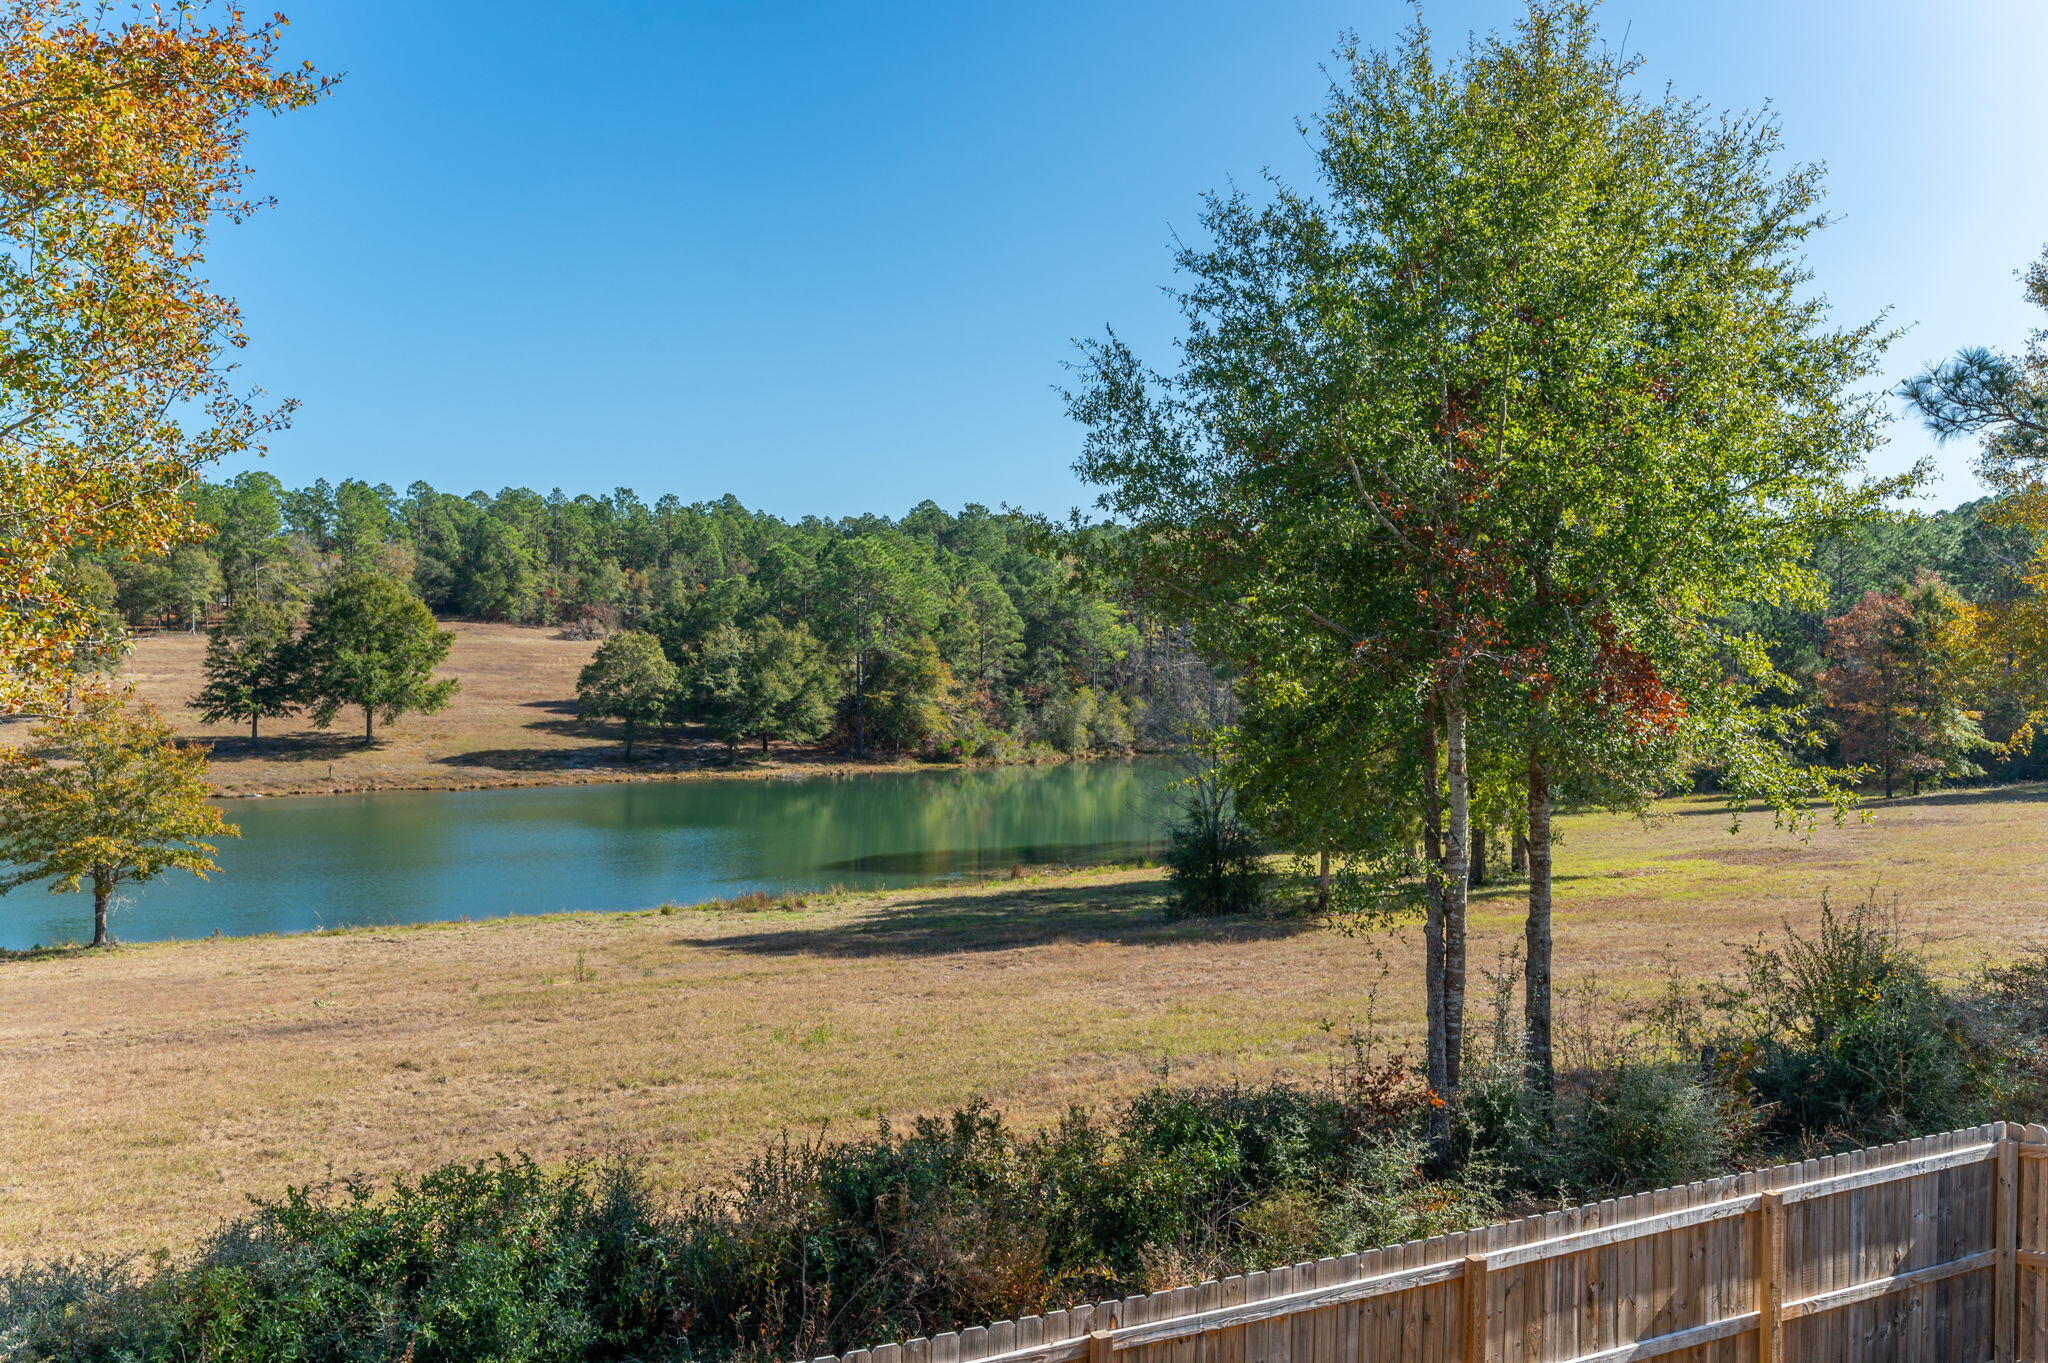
1008, 647
1885, 662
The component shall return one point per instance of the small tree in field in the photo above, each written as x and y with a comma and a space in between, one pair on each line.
250, 672
105, 795
370, 642
1889, 692
628, 679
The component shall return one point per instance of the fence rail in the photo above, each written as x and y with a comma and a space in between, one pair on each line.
1926, 1251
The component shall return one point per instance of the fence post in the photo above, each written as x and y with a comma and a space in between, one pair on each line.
2006, 1240
1770, 1277
1101, 1347
1474, 1293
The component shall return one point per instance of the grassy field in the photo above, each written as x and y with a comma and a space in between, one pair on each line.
158, 1084
513, 723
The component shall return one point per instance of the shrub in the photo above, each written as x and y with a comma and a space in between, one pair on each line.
1645, 1124
1850, 1039
1214, 864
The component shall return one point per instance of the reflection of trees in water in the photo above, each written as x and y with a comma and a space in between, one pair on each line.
936, 824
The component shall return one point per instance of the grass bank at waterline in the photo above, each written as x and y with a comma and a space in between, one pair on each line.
157, 1085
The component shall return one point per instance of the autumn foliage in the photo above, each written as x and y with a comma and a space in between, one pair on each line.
120, 145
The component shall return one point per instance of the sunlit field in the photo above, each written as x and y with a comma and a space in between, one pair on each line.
169, 1081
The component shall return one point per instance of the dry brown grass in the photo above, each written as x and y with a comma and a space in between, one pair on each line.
513, 723
153, 1086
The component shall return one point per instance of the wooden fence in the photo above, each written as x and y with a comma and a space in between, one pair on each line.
1927, 1251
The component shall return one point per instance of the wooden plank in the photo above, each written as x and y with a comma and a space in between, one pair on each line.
1101, 1347
1770, 1276
1889, 1173
1579, 1241
1678, 1341
1897, 1282
1473, 1293
2005, 1239
1278, 1308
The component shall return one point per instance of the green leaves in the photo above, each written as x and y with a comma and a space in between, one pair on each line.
371, 643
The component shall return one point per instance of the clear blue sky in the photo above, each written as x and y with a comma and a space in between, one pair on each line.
830, 257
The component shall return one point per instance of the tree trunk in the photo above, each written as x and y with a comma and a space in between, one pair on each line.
1537, 1060
629, 738
102, 890
1479, 836
1457, 888
860, 704
369, 724
1323, 881
1518, 853
1436, 1072
254, 737
764, 743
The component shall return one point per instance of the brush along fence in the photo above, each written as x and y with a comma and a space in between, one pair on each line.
1927, 1251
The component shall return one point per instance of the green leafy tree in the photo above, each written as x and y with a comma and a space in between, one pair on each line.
251, 666
104, 795
628, 679
371, 643
1489, 432
913, 698
880, 592
195, 583
767, 681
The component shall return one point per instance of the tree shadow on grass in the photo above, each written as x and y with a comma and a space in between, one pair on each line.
317, 746
2029, 792
1120, 914
607, 755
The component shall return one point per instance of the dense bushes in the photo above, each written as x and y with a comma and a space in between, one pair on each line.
1836, 1038
817, 1246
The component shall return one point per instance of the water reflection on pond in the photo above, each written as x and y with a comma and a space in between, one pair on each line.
408, 857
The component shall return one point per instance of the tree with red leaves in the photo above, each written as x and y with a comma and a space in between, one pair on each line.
1887, 691
1476, 443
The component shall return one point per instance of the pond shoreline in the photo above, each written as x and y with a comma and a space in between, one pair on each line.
774, 769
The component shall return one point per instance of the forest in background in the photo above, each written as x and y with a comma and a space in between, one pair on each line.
975, 633
969, 635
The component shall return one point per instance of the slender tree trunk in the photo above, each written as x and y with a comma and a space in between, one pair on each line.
860, 703
102, 891
1538, 1062
764, 743
629, 738
1457, 888
1323, 881
1436, 1072
1479, 836
1518, 853
254, 737
369, 724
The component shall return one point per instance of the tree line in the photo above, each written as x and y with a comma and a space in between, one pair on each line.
972, 634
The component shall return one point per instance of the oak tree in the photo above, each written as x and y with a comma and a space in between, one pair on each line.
628, 679
1490, 429
104, 795
372, 644
121, 146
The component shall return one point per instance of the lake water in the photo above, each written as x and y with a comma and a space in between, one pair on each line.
410, 857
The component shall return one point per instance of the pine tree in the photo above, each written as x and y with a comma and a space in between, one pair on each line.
250, 666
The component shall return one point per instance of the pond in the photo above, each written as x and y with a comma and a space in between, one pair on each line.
411, 857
